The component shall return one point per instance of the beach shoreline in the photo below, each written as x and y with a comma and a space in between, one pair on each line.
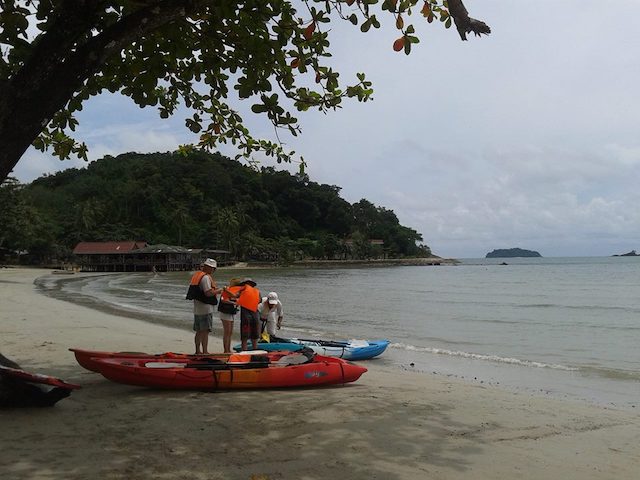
69, 269
390, 424
375, 262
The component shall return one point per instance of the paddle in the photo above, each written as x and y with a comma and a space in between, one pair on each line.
324, 343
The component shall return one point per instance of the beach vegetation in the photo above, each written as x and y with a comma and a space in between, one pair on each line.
21, 225
201, 55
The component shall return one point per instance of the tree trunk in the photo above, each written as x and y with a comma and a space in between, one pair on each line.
38, 90
61, 62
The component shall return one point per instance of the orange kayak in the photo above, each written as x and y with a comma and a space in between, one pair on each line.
237, 372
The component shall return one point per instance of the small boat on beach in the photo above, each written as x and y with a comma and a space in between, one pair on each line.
238, 371
19, 388
348, 349
87, 358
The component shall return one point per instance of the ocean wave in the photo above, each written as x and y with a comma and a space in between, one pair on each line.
611, 373
585, 307
134, 290
307, 332
128, 306
483, 357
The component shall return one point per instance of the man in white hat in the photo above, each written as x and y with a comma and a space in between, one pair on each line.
271, 313
203, 291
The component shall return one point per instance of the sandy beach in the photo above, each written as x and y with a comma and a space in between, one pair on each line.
389, 425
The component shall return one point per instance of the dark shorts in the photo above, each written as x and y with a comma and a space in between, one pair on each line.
202, 322
249, 324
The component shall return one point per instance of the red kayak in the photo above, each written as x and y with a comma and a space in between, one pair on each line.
278, 369
85, 357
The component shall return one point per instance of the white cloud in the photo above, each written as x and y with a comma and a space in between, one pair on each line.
134, 138
34, 164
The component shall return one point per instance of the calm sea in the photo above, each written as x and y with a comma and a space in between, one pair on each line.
563, 327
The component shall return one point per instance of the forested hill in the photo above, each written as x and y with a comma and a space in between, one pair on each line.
198, 200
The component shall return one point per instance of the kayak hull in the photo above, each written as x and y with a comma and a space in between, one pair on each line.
19, 388
36, 378
342, 350
178, 375
87, 358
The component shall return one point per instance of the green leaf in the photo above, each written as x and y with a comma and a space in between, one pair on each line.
258, 108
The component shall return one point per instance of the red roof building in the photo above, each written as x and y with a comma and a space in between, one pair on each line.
106, 248
135, 256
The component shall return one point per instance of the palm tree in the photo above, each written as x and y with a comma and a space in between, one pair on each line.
179, 216
88, 214
229, 227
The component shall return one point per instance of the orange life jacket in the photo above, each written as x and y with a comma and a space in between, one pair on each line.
249, 298
195, 292
225, 293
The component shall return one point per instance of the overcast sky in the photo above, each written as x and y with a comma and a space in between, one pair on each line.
526, 138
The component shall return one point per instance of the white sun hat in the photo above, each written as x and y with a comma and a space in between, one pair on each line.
273, 298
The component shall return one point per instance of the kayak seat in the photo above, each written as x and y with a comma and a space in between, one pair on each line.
246, 362
207, 364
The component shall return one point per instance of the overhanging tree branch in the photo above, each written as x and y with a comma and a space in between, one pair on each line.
158, 52
56, 70
464, 23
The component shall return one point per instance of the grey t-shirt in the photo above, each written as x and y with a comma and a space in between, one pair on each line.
200, 308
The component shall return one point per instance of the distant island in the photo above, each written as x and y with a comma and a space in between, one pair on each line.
512, 252
632, 253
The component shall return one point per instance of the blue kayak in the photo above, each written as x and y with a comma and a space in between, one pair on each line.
349, 349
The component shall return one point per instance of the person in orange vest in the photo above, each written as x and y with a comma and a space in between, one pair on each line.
227, 308
249, 300
203, 291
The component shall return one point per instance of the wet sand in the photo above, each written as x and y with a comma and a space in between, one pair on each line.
389, 425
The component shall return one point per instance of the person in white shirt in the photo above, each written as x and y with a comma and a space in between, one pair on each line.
271, 312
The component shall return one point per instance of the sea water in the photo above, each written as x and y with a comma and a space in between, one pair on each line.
563, 327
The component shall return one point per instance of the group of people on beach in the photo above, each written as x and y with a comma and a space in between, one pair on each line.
258, 315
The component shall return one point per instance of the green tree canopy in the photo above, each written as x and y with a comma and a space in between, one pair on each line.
55, 54
195, 200
21, 225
